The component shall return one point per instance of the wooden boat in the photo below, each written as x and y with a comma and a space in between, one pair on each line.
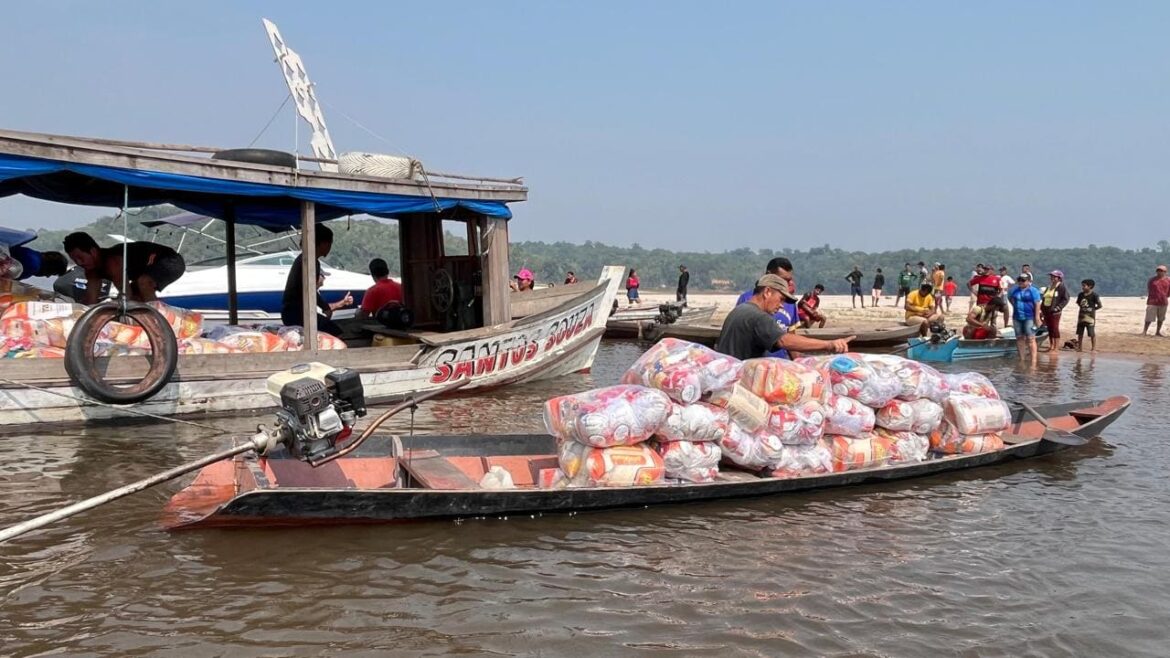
866, 340
636, 321
393, 478
957, 348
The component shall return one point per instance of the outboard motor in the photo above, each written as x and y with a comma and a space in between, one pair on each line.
668, 313
938, 333
319, 406
393, 315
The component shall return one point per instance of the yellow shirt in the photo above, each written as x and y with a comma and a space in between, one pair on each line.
916, 303
939, 280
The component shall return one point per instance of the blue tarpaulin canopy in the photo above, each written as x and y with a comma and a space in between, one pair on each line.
12, 237
253, 203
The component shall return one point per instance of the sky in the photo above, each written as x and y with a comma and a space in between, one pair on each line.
693, 126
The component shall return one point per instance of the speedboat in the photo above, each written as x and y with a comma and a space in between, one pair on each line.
260, 280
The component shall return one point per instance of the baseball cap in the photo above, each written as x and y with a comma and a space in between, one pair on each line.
1024, 276
776, 283
1056, 273
1160, 268
524, 274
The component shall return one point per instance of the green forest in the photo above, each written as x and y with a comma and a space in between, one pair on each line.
1116, 271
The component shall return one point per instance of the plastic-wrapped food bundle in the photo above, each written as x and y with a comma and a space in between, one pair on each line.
847, 417
552, 478
204, 346
971, 383
604, 417
619, 466
799, 424
905, 446
42, 333
780, 381
254, 341
31, 310
330, 342
921, 416
850, 453
747, 409
185, 324
103, 347
797, 461
948, 441
853, 377
693, 422
917, 380
751, 449
691, 461
39, 352
971, 414
128, 335
685, 371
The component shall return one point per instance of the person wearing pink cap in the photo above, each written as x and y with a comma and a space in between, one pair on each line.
1157, 293
1053, 300
524, 280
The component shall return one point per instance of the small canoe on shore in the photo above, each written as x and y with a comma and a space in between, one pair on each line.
957, 348
632, 322
392, 478
867, 340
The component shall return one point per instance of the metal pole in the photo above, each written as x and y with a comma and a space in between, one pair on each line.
230, 234
309, 274
109, 496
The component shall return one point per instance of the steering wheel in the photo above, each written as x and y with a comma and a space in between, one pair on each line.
442, 291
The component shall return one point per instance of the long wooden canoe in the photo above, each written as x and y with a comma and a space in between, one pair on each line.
404, 478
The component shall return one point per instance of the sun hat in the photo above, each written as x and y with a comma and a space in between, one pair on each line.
776, 283
1056, 273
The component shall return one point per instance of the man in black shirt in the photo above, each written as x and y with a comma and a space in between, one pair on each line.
684, 278
150, 267
854, 279
750, 331
291, 305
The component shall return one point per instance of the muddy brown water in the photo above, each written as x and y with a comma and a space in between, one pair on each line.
1062, 555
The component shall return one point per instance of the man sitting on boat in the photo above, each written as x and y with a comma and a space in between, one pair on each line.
384, 290
291, 308
750, 330
981, 321
150, 267
810, 304
920, 310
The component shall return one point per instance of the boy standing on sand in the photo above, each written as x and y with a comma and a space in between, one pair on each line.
1088, 301
949, 290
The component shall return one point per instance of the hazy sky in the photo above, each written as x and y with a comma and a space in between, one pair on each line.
685, 125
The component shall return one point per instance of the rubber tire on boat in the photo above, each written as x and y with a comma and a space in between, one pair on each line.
258, 156
83, 370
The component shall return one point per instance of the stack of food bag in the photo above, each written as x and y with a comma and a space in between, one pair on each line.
688, 441
601, 435
974, 417
684, 371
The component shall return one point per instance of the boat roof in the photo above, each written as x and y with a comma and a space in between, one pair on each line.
95, 172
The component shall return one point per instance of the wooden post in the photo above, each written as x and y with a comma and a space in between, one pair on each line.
230, 241
309, 274
497, 305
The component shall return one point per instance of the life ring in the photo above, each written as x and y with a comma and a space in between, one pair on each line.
83, 370
258, 156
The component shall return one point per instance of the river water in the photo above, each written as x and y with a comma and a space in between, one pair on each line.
1062, 555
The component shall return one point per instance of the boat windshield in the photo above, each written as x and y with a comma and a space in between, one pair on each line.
282, 259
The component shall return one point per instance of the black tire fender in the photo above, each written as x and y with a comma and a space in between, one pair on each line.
258, 156
83, 369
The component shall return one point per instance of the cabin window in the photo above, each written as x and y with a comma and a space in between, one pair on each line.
455, 239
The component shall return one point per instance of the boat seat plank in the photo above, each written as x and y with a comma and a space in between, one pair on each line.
1090, 413
434, 471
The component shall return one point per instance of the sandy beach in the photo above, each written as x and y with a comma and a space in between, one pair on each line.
1119, 322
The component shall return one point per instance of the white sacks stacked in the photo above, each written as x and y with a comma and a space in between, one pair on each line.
601, 435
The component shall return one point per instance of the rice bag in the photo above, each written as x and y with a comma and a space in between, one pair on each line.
798, 461
604, 417
971, 414
744, 407
780, 381
799, 424
847, 417
685, 371
693, 422
971, 383
690, 460
850, 375
204, 346
921, 416
906, 446
619, 466
253, 341
185, 324
917, 380
32, 310
751, 449
850, 453
948, 441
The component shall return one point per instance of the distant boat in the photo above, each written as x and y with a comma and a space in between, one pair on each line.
957, 348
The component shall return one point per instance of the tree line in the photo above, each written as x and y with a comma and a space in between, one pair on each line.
356, 241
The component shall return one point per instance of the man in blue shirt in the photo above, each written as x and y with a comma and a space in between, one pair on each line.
1025, 301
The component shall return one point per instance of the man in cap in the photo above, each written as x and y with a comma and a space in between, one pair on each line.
787, 315
751, 330
1157, 293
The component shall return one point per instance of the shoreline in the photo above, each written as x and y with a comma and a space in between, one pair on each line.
1119, 322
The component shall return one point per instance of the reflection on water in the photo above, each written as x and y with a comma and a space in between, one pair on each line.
1056, 555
